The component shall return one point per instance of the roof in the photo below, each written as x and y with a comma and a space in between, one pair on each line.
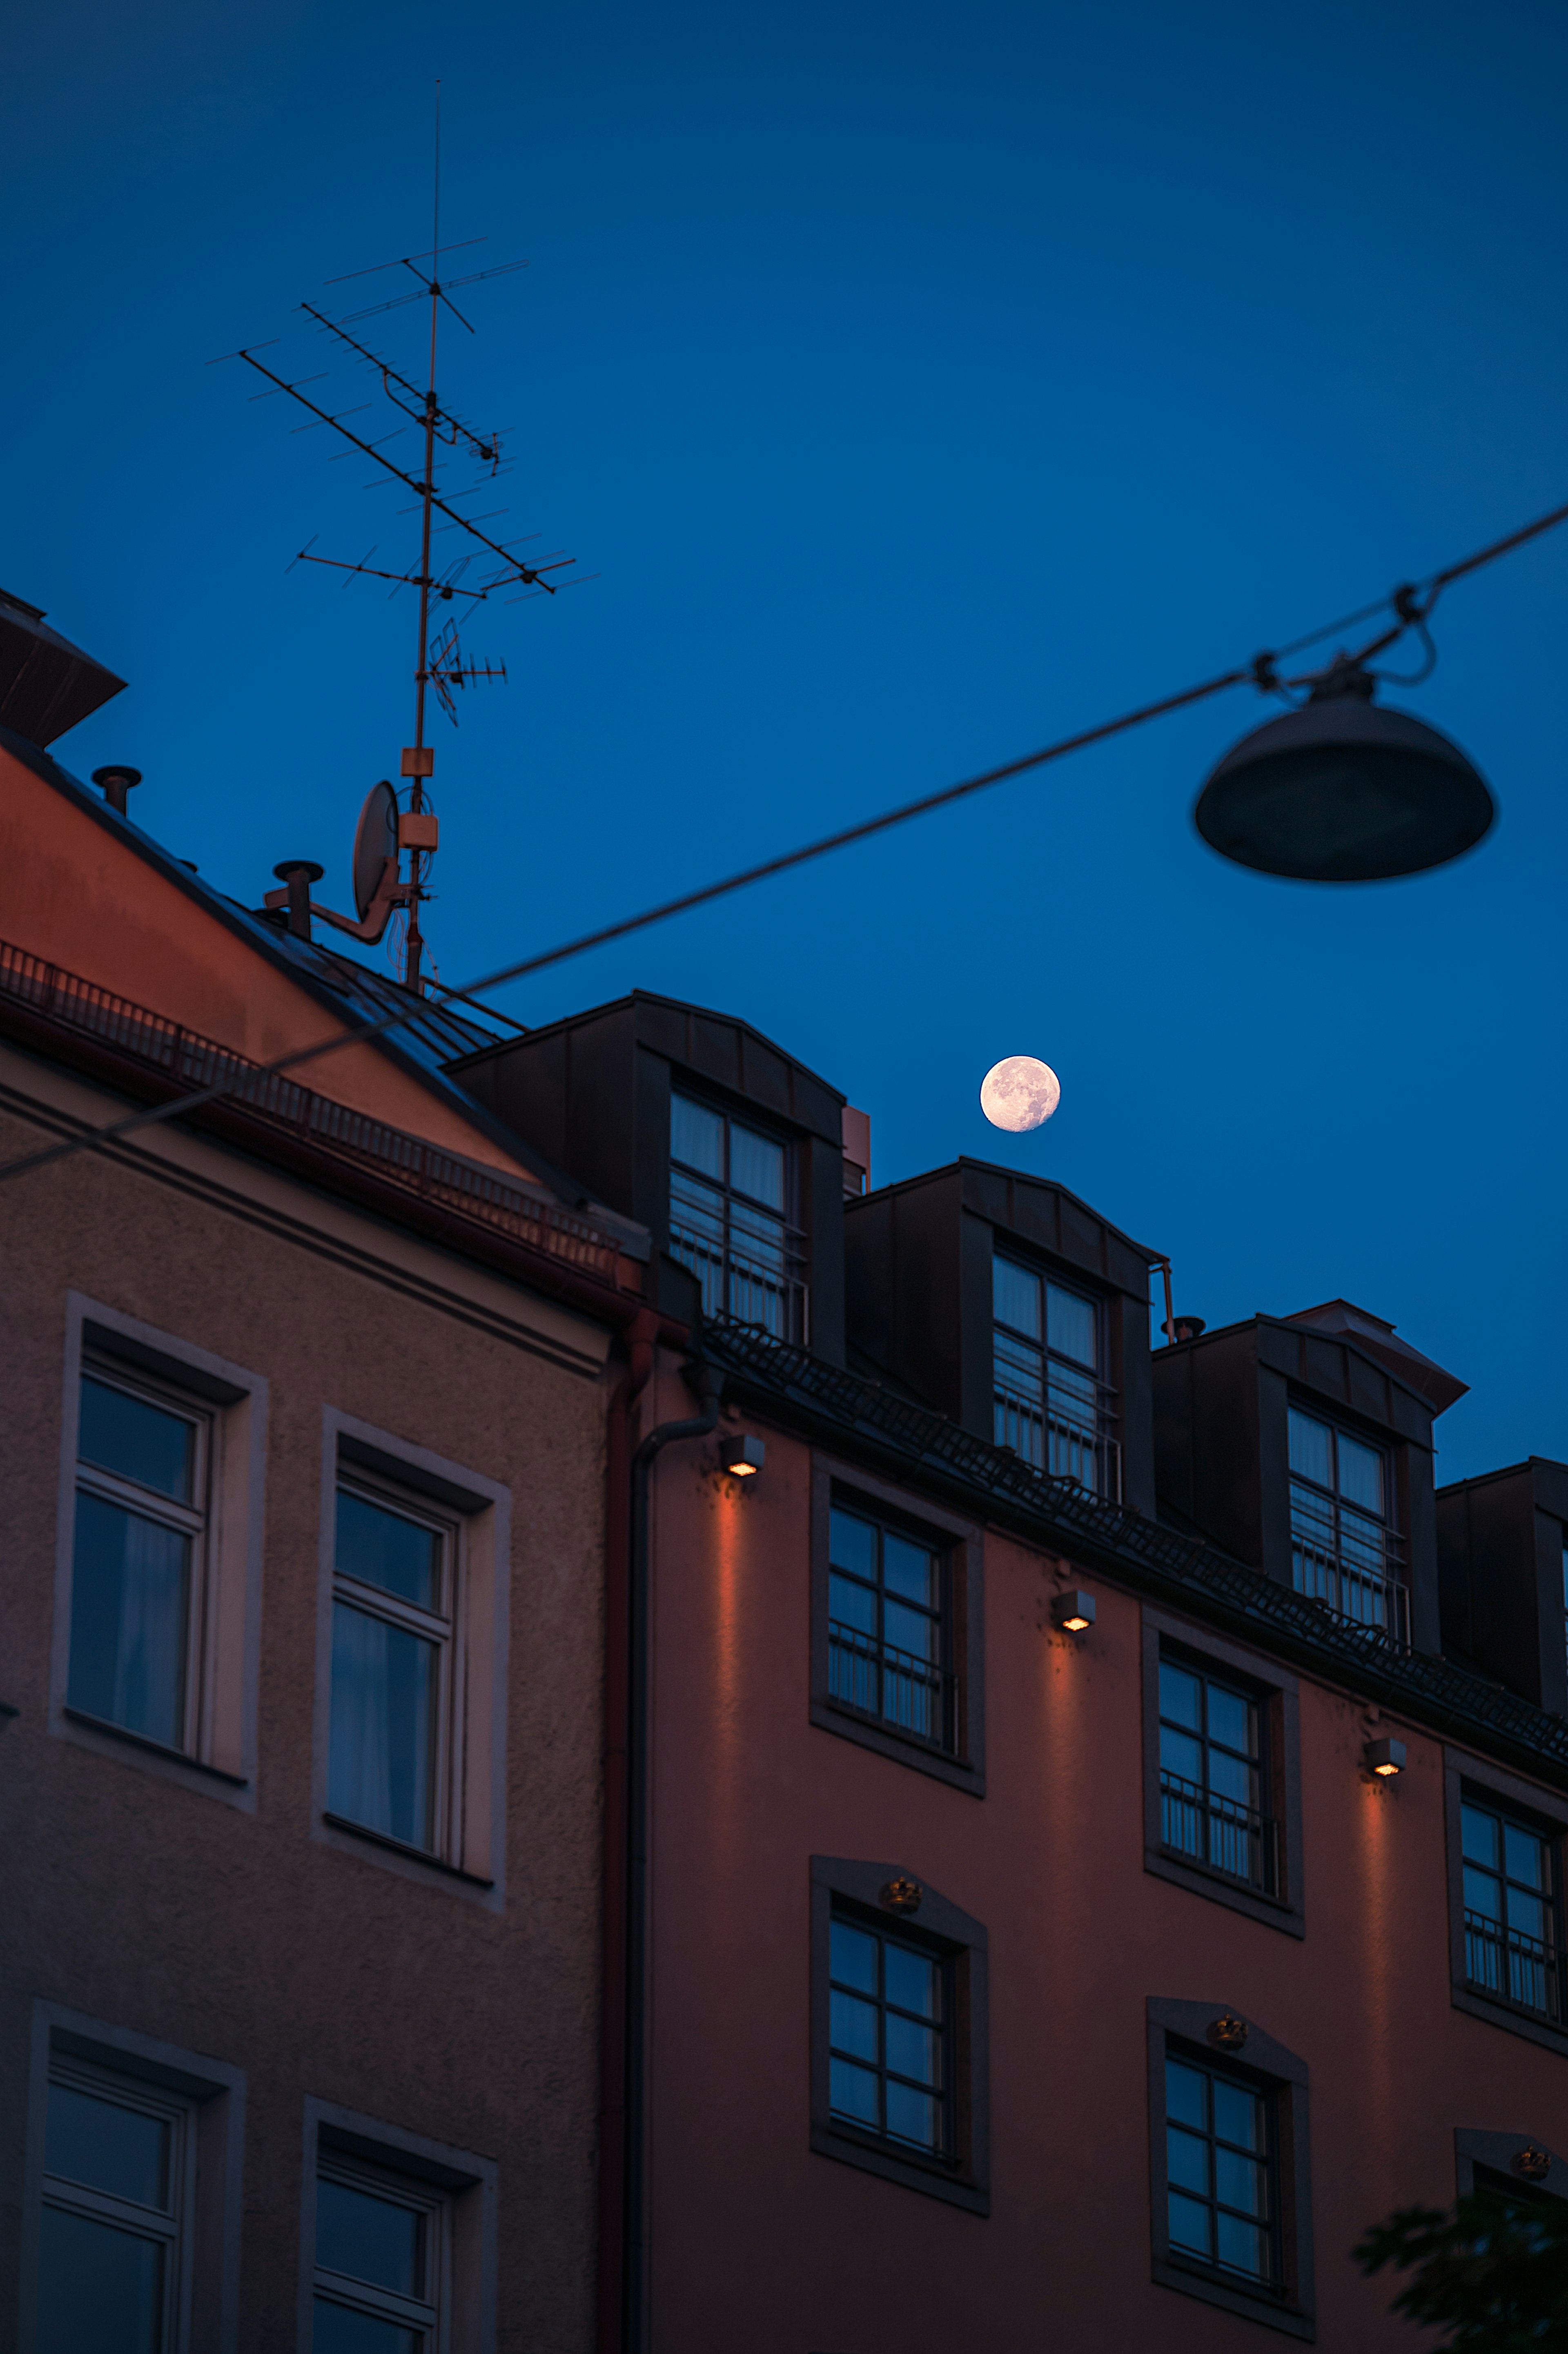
965, 1165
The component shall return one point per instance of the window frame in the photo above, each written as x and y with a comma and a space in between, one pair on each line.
1496, 2153
797, 1290
961, 1545
1543, 1811
1396, 1545
471, 1775
462, 2184
223, 1631
1107, 1439
430, 2313
208, 2096
854, 1889
1277, 1695
1181, 2029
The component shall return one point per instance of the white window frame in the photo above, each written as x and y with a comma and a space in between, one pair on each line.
388, 2158
217, 1753
171, 2228
205, 2099
430, 2313
475, 1511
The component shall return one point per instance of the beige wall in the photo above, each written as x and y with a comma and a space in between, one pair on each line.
319, 1971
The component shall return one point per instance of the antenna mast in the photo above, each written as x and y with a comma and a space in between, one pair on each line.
440, 665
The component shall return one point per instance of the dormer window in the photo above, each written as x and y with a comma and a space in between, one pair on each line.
1051, 1404
729, 1204
1344, 1550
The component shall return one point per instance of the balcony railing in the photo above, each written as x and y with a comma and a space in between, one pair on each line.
911, 1694
762, 1287
1517, 1969
1352, 1588
1065, 1447
1219, 1833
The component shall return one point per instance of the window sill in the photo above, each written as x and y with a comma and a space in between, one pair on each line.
160, 1749
1273, 1912
1265, 2306
930, 2176
403, 1848
904, 1749
1527, 2023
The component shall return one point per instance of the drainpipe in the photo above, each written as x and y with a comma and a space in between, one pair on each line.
633, 2313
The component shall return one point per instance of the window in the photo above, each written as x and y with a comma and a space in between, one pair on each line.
119, 2167
381, 2262
887, 1628
889, 2070
1221, 2172
1488, 2161
1514, 1949
1345, 1552
1213, 1776
898, 1626
1222, 1775
136, 1581
396, 1696
729, 1218
1230, 2211
1051, 1404
898, 2030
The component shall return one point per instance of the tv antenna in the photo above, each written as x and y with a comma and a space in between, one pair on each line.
441, 663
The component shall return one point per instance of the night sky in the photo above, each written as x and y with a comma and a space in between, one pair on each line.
921, 384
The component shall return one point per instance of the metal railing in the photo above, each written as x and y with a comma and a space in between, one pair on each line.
897, 1688
767, 1291
1354, 1592
1219, 1833
465, 1189
1516, 1968
1058, 1444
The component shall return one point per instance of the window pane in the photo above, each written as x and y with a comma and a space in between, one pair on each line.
1016, 1296
914, 2051
368, 2238
101, 2291
1242, 2246
335, 2330
911, 1981
756, 1166
383, 1703
1184, 2089
1240, 2182
1179, 1696
1361, 1474
1479, 1835
853, 1957
696, 1136
108, 2147
852, 1605
1187, 2160
129, 1588
1230, 1719
139, 1441
909, 1570
914, 2117
1231, 1777
852, 2026
1483, 1893
1180, 1755
1525, 1855
1526, 1915
852, 1543
1309, 1448
909, 1630
853, 2092
1238, 2115
1189, 2224
384, 1548
1070, 1325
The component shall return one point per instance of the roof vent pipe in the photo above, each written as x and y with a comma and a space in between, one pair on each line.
117, 781
299, 873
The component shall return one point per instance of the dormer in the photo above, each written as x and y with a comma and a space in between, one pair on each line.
1013, 1307
732, 1151
1502, 1567
1303, 1445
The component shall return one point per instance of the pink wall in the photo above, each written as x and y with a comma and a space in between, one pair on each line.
758, 2241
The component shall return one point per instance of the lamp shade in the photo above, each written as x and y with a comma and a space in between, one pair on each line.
1343, 792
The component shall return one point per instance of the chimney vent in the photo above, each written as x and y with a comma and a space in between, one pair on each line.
117, 781
299, 873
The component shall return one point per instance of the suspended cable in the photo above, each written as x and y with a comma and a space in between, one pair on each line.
1258, 672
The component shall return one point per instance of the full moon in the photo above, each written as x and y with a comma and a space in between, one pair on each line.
1020, 1093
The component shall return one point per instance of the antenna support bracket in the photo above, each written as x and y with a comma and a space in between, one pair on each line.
418, 760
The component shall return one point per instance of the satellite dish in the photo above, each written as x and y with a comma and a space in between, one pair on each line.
374, 841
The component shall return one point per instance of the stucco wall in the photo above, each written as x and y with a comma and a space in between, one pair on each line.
239, 1936
758, 2241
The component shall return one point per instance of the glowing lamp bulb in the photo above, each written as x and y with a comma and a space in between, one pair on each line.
1385, 1757
1073, 1612
744, 1457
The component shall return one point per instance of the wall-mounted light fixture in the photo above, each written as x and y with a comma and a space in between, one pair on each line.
1385, 1757
744, 1455
1073, 1612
